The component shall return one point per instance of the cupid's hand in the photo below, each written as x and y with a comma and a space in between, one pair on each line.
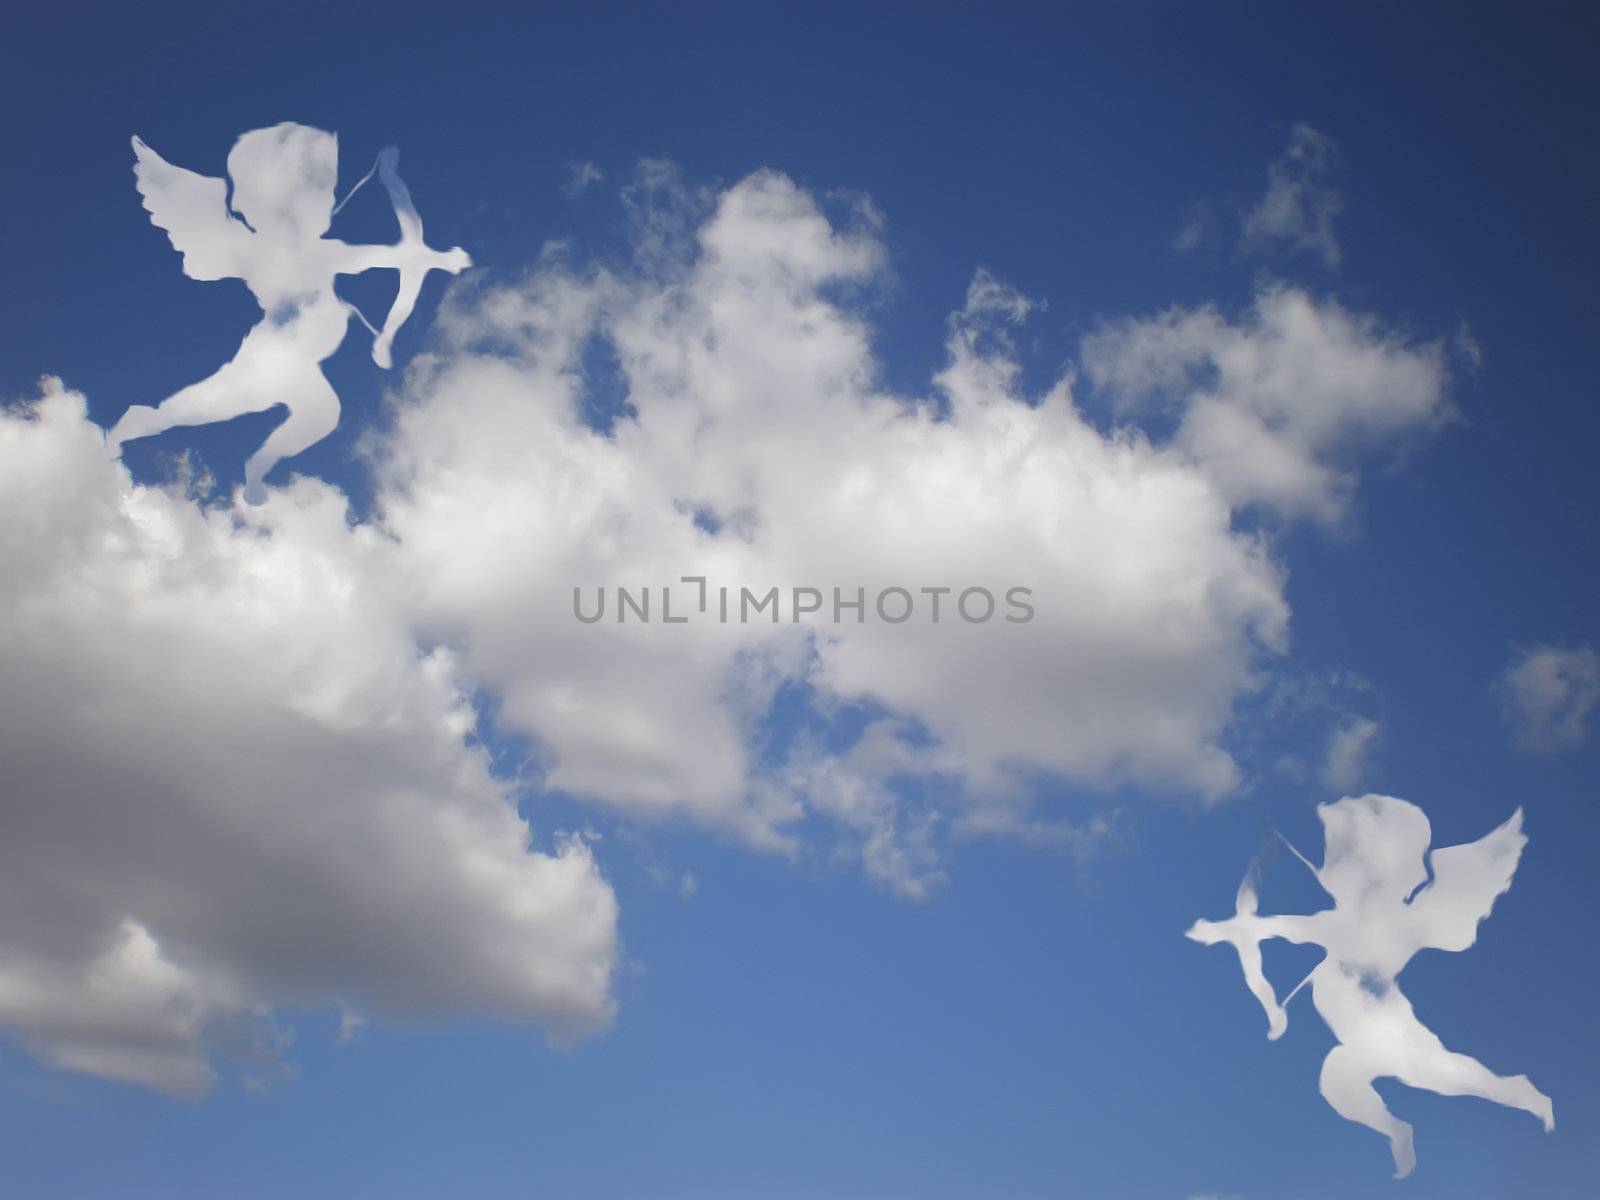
1244, 933
455, 261
1277, 1021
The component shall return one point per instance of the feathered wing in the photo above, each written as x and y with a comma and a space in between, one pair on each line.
1467, 880
193, 210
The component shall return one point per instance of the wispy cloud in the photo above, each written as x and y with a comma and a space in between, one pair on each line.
1548, 694
580, 176
1199, 226
1350, 752
1298, 211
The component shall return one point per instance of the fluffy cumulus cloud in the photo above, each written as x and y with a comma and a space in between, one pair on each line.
750, 443
241, 771
233, 782
1298, 210
1274, 406
1548, 693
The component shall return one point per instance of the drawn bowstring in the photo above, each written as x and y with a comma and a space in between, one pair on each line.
356, 187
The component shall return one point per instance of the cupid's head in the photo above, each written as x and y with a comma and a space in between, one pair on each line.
284, 177
1375, 848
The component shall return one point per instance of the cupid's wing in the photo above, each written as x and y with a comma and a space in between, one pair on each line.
193, 210
1467, 880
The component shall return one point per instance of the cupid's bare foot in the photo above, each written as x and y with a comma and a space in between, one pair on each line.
137, 421
1405, 1156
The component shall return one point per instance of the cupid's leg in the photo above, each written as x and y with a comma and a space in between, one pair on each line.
1433, 1067
313, 415
1347, 1085
246, 384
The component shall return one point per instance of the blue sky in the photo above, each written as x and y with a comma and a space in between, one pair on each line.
1035, 1025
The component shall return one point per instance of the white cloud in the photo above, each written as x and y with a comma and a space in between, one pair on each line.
1199, 224
580, 177
1274, 406
1350, 752
1298, 210
238, 784
233, 783
754, 386
1467, 346
1548, 693
757, 413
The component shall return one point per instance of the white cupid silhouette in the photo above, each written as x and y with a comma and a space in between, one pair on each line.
1386, 908
271, 236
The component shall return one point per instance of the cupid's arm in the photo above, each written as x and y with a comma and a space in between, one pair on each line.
353, 260
413, 260
1245, 933
1256, 928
